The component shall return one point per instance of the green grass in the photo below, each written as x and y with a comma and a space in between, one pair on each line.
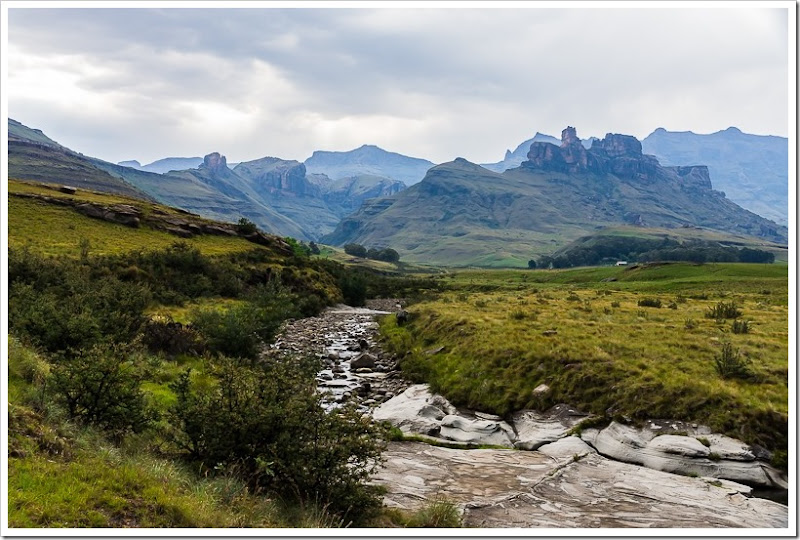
58, 230
625, 361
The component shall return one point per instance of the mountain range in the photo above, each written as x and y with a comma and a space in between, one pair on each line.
463, 213
752, 170
542, 195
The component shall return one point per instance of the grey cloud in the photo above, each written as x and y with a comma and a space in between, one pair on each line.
456, 70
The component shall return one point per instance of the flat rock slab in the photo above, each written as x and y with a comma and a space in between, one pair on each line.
508, 488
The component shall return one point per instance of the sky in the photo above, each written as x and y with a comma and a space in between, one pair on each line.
143, 83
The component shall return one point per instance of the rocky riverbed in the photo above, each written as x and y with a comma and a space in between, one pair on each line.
546, 476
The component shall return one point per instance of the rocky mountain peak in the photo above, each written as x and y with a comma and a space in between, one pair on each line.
615, 145
214, 161
569, 137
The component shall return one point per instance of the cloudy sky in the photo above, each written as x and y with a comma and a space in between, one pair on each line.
148, 83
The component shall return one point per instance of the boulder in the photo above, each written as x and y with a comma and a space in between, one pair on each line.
567, 447
363, 360
537, 428
68, 190
461, 429
415, 411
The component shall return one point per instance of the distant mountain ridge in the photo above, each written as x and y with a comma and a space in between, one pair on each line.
368, 160
275, 194
462, 213
753, 170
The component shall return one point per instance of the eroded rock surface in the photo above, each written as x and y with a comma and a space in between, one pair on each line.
508, 488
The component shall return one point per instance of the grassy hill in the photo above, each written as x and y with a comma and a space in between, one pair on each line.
591, 335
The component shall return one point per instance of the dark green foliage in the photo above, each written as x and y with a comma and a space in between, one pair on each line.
100, 386
59, 304
265, 421
532, 264
356, 250
172, 338
246, 227
724, 310
732, 365
690, 324
354, 289
649, 302
300, 249
314, 248
606, 249
740, 327
241, 331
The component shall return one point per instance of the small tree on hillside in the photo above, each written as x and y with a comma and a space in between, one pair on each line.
356, 250
531, 264
245, 226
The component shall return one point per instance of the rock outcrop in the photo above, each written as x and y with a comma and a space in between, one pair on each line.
620, 155
724, 457
570, 487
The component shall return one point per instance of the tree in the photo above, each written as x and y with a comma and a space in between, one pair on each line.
388, 255
356, 250
314, 247
245, 226
531, 264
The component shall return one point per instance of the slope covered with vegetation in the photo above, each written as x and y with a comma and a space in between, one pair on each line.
121, 416
653, 341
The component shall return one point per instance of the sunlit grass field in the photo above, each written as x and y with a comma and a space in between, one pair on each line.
506, 332
59, 230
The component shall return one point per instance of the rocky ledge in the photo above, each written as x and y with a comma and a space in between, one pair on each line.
674, 447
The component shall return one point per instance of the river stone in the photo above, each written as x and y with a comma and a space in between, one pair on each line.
567, 447
415, 411
535, 428
363, 360
458, 428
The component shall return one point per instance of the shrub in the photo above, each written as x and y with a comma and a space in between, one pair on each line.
615, 304
518, 314
439, 513
354, 289
672, 305
162, 334
724, 310
246, 227
100, 386
265, 420
356, 250
704, 441
242, 330
649, 302
690, 324
731, 365
573, 297
740, 327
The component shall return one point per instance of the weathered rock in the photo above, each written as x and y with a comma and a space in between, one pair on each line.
402, 316
506, 488
676, 454
458, 428
540, 390
415, 411
68, 190
535, 429
567, 447
729, 448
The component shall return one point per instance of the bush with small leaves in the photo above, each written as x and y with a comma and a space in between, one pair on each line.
740, 327
615, 304
690, 324
732, 365
649, 302
724, 310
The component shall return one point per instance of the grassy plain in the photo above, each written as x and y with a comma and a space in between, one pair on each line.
587, 338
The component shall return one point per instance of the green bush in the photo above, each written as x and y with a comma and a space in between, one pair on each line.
245, 226
264, 420
649, 302
724, 310
354, 289
438, 513
740, 327
731, 365
101, 386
